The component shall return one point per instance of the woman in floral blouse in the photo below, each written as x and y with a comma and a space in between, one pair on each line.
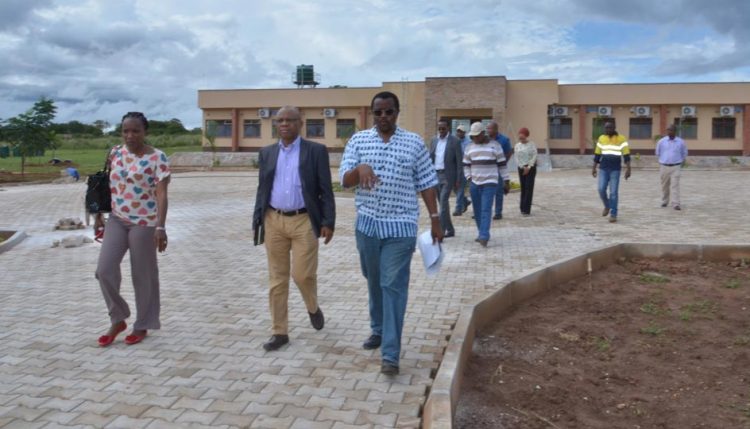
138, 180
525, 153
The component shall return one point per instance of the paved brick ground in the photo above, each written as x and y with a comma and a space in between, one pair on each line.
206, 366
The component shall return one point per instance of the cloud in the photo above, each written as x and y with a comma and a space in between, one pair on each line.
99, 59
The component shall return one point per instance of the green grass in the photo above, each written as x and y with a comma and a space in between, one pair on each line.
652, 308
653, 278
732, 284
87, 155
603, 344
652, 330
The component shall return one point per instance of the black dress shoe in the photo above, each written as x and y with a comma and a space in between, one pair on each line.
276, 342
449, 234
373, 342
466, 207
457, 213
317, 319
388, 368
497, 217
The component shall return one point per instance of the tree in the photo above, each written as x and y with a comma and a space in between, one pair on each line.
31, 133
101, 124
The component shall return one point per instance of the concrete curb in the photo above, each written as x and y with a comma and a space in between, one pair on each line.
14, 239
440, 407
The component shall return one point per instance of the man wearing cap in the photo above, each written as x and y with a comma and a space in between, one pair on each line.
485, 167
446, 155
672, 153
295, 206
462, 203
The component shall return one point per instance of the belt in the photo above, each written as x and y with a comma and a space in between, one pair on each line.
672, 165
290, 212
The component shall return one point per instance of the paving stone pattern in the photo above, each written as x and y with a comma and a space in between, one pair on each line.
206, 367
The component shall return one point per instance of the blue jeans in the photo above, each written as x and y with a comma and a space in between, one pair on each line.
461, 200
482, 196
499, 197
611, 178
385, 264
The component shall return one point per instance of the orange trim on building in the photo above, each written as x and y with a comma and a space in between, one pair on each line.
582, 130
746, 130
235, 130
663, 124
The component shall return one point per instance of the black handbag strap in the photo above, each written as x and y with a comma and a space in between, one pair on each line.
108, 161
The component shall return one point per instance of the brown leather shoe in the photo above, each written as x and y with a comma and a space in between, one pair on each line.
612, 219
276, 342
388, 368
605, 212
317, 320
677, 208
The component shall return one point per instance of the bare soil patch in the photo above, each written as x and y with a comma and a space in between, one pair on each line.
642, 344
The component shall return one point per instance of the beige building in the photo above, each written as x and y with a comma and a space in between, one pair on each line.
713, 118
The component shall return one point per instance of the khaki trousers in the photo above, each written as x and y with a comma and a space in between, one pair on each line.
285, 234
670, 184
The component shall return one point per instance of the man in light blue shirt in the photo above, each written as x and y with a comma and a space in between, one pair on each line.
672, 153
493, 131
389, 166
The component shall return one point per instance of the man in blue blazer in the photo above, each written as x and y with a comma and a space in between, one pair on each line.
294, 206
447, 156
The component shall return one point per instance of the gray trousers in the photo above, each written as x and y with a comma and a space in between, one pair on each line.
119, 237
444, 201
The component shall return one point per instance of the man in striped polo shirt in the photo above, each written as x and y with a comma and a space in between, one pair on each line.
389, 166
611, 150
485, 166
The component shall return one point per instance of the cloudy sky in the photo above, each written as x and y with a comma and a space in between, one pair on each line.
100, 58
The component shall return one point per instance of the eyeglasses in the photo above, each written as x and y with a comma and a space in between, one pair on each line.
388, 112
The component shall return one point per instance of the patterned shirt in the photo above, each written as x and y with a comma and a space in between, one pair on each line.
485, 163
133, 181
403, 167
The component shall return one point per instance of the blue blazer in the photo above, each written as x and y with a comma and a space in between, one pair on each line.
315, 176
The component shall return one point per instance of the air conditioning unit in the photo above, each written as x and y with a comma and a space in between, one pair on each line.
726, 110
604, 110
642, 110
688, 111
558, 111
264, 113
329, 113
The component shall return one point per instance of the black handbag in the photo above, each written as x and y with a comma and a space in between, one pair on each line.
98, 193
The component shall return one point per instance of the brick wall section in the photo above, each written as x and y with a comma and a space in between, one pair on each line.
746, 130
582, 146
464, 93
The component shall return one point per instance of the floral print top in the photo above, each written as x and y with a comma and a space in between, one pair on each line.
133, 181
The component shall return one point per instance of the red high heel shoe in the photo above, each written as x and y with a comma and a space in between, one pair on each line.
106, 340
135, 339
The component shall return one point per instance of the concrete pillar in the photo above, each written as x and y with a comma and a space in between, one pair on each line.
582, 129
236, 126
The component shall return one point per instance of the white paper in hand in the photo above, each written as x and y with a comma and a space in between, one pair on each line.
432, 254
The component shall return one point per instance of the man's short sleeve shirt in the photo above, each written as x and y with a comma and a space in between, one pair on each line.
404, 168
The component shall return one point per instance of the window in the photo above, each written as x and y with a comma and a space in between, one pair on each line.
315, 128
345, 128
640, 128
687, 128
274, 129
219, 128
252, 128
561, 128
723, 128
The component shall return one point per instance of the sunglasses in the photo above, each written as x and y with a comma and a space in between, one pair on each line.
388, 112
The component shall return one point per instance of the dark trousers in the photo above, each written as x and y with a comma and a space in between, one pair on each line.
527, 189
